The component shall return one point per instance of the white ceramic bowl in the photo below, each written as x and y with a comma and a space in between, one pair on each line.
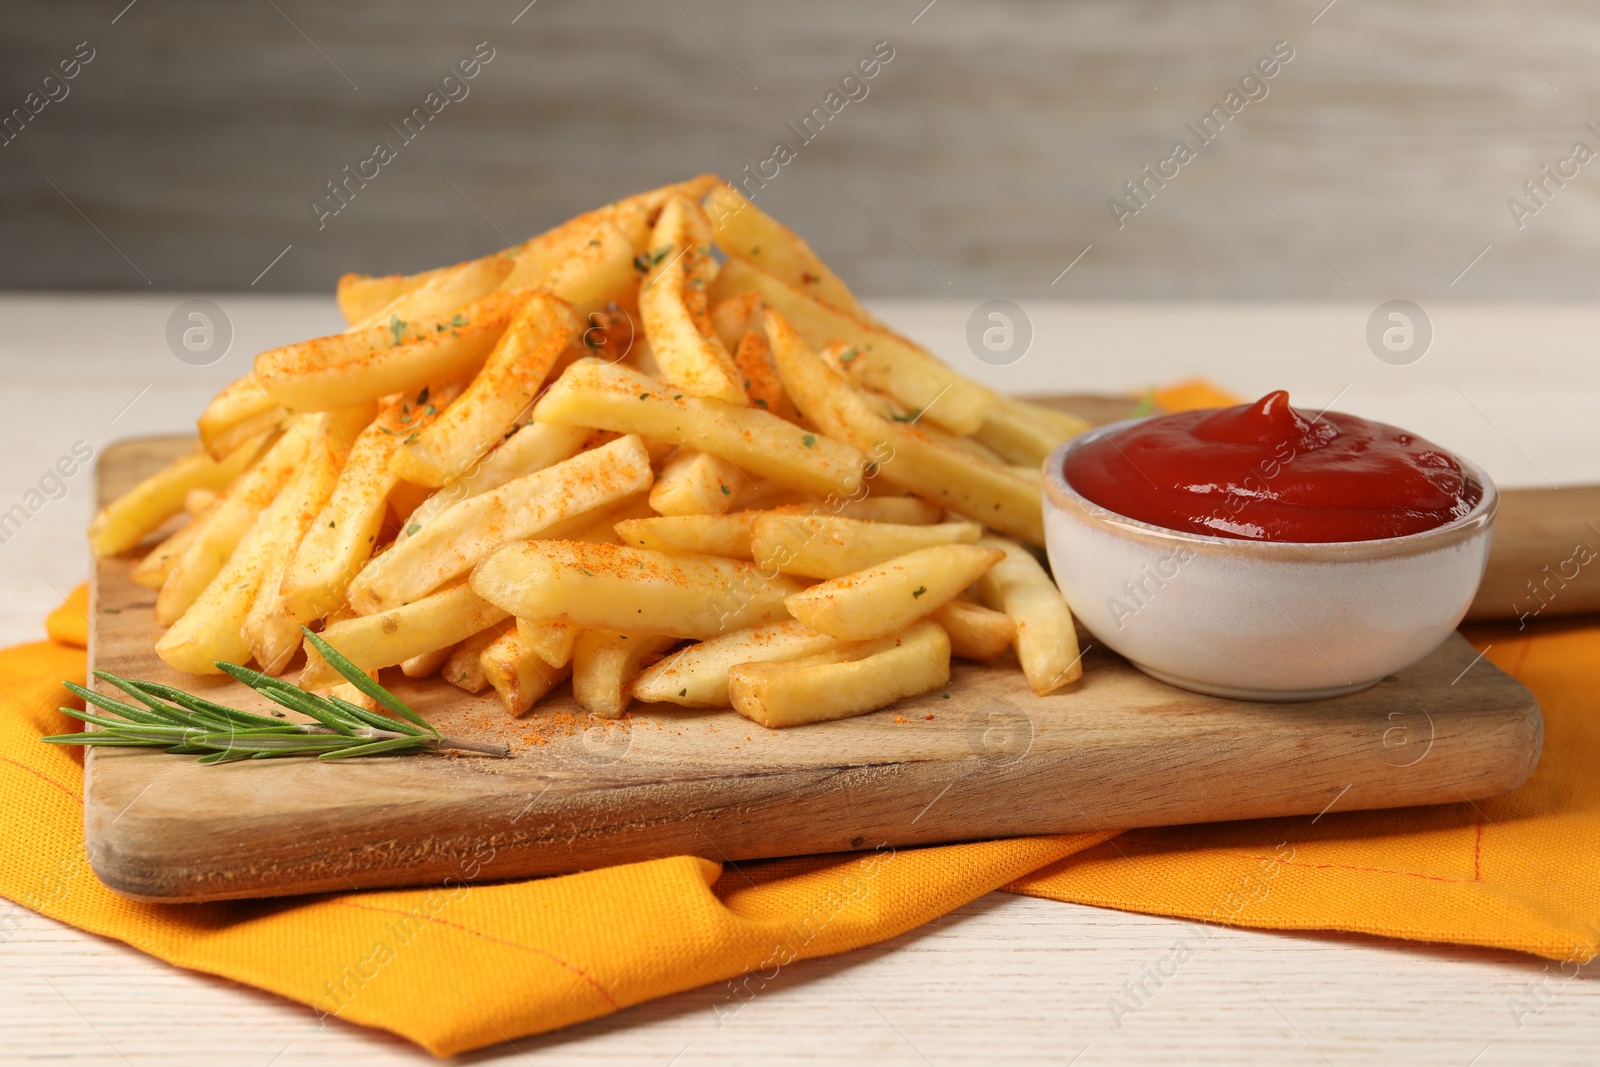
1261, 620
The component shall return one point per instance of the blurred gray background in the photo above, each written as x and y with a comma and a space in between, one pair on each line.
1380, 162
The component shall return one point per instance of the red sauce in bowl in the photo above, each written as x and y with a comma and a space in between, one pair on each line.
1267, 472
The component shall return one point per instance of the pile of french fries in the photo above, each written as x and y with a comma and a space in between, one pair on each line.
762, 498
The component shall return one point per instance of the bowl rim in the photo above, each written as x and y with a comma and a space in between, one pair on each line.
1061, 497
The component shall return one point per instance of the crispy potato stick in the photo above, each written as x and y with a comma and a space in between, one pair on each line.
599, 269
827, 687
126, 521
1047, 643
713, 535
695, 483
736, 316
889, 597
611, 587
361, 295
340, 541
446, 617
907, 455
437, 299
673, 304
746, 232
551, 640
533, 448
517, 674
427, 664
270, 629
696, 676
527, 507
151, 572
623, 400
216, 539
500, 393
1024, 433
900, 510
241, 411
464, 668
401, 357
885, 361
604, 662
976, 632
761, 385
828, 547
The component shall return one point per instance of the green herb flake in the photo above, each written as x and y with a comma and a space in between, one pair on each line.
918, 591
644, 396
587, 571
684, 691
725, 490
849, 355
431, 410
422, 397
809, 440
397, 328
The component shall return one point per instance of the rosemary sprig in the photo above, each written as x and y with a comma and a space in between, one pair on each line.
163, 717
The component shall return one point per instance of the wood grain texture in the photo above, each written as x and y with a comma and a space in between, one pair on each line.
985, 759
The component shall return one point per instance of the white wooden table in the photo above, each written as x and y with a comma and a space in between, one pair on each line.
1003, 979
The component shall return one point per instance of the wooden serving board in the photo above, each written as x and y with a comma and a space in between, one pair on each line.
984, 759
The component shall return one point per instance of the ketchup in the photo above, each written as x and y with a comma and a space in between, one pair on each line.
1267, 472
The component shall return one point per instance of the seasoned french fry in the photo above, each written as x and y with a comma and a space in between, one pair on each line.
736, 316
976, 632
695, 483
361, 295
885, 361
1025, 433
826, 687
534, 447
612, 587
1047, 643
900, 510
673, 304
426, 664
270, 629
713, 535
746, 232
623, 400
219, 535
552, 640
696, 676
517, 674
242, 410
501, 392
604, 662
401, 357
889, 597
458, 539
127, 520
341, 539
151, 572
464, 668
437, 299
812, 546
446, 617
754, 360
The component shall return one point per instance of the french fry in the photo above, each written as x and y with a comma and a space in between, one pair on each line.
612, 587
976, 632
341, 539
440, 296
599, 527
151, 572
534, 447
501, 392
695, 483
673, 304
1046, 643
464, 667
827, 686
696, 676
361, 295
907, 456
900, 510
1025, 433
713, 535
218, 536
371, 642
746, 232
761, 385
736, 316
242, 410
889, 597
604, 662
815, 546
349, 368
452, 543
128, 519
552, 640
426, 664
884, 360
270, 629
520, 677
622, 400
